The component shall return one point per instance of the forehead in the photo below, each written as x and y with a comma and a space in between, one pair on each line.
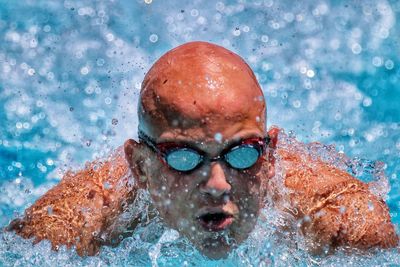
196, 81
212, 139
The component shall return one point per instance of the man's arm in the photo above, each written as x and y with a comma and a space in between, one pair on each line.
81, 207
334, 208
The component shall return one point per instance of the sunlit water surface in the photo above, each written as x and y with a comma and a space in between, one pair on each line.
70, 73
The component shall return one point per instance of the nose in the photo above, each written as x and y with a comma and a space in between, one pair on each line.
217, 184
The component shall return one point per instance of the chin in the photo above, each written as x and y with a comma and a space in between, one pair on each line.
215, 248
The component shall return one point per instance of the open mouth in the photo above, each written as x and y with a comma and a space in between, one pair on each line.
215, 222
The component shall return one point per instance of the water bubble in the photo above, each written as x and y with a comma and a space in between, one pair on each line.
219, 6
377, 61
101, 13
109, 37
26, 125
289, 17
71, 109
268, 3
334, 44
50, 76
88, 142
236, 32
47, 28
107, 100
31, 72
264, 38
367, 102
356, 48
297, 103
153, 38
33, 43
194, 12
201, 20
17, 164
100, 62
84, 70
299, 17
383, 33
310, 73
148, 1
389, 64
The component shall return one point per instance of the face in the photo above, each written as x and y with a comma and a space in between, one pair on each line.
214, 205
204, 97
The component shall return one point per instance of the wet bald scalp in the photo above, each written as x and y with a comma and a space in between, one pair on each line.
199, 83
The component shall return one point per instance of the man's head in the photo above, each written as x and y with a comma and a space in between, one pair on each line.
204, 101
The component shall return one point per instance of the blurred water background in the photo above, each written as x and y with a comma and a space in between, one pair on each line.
70, 73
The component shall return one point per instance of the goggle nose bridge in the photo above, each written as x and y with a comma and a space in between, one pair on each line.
217, 158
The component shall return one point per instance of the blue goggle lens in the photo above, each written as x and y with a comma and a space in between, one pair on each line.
242, 157
183, 159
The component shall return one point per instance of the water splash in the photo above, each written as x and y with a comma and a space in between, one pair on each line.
329, 70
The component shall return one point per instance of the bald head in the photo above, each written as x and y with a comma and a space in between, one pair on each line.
199, 83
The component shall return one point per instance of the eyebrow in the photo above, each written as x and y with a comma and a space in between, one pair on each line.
194, 144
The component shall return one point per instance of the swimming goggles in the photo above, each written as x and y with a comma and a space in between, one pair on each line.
184, 158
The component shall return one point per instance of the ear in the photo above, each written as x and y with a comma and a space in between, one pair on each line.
273, 135
135, 156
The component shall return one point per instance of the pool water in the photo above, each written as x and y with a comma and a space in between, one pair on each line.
70, 74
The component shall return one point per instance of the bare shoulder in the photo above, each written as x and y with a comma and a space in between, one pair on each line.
334, 208
81, 206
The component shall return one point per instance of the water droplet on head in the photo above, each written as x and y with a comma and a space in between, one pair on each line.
218, 137
306, 218
107, 185
342, 209
49, 210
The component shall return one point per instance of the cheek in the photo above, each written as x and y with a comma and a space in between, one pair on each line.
169, 190
248, 189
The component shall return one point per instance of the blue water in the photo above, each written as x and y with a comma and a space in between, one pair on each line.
70, 73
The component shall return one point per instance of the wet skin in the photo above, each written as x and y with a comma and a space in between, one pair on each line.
191, 95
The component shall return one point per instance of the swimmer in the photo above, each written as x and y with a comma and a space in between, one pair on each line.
208, 163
